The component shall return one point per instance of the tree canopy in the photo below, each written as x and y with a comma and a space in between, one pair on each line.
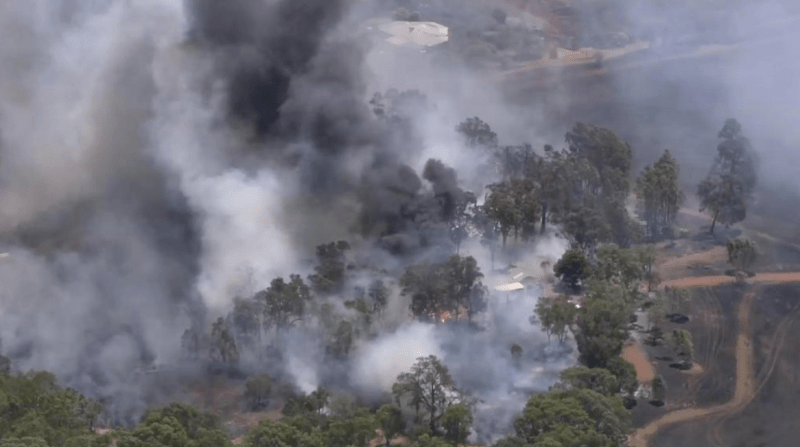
572, 268
659, 196
730, 183
429, 389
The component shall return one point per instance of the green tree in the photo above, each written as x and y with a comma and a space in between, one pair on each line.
548, 171
429, 387
477, 133
647, 259
353, 430
191, 344
284, 303
659, 195
247, 322
677, 297
730, 183
556, 315
574, 417
500, 208
572, 268
426, 285
361, 305
624, 267
602, 328
516, 352
512, 441
585, 225
329, 274
342, 340
456, 422
223, 345
426, 440
379, 295
461, 219
625, 373
257, 390
307, 409
5, 365
609, 155
599, 166
269, 434
489, 230
659, 388
656, 311
682, 341
391, 422
741, 253
596, 379
176, 425
464, 287
26, 441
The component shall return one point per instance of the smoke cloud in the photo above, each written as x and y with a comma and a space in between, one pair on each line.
159, 158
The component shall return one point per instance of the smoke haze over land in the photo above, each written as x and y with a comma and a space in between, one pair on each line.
159, 158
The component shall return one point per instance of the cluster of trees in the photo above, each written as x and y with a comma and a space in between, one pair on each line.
256, 321
583, 188
555, 316
586, 407
730, 183
427, 408
741, 254
659, 196
628, 268
36, 411
453, 286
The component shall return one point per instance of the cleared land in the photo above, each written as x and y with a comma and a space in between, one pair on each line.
745, 389
633, 353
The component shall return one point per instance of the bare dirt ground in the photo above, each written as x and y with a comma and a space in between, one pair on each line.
671, 267
634, 353
769, 418
744, 392
712, 281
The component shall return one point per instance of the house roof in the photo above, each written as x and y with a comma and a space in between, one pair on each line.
509, 287
425, 34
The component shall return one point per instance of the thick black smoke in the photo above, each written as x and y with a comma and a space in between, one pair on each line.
297, 84
133, 205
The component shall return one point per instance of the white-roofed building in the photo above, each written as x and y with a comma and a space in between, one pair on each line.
511, 287
415, 34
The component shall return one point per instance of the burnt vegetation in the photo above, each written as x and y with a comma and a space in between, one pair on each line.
416, 249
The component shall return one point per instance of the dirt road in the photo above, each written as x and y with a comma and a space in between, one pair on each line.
712, 281
633, 353
744, 392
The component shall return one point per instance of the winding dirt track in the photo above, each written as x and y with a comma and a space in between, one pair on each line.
747, 384
744, 391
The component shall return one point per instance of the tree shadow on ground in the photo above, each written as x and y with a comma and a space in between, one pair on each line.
720, 236
678, 318
681, 366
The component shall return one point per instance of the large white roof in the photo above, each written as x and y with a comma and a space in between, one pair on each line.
425, 34
509, 287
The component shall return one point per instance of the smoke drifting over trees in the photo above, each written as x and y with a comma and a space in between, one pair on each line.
168, 167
